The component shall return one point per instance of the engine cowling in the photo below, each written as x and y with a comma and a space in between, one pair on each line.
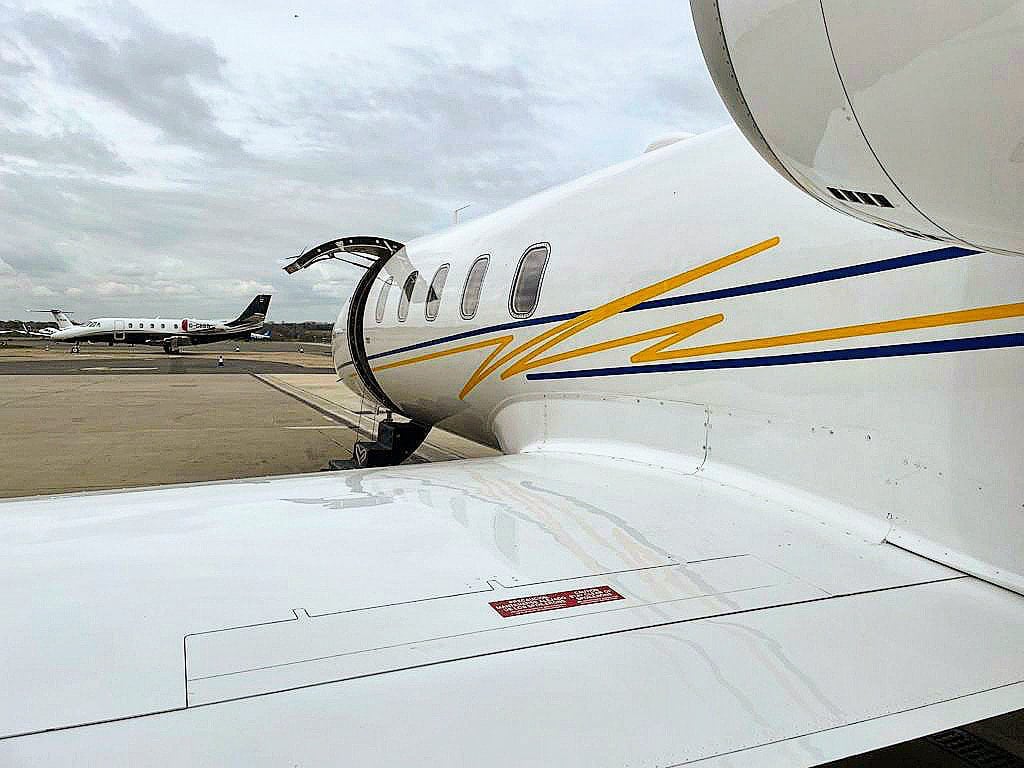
902, 114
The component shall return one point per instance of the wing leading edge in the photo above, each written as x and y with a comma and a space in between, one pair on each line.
525, 609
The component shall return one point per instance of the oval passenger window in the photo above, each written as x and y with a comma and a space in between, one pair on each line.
434, 292
474, 284
403, 301
526, 286
382, 299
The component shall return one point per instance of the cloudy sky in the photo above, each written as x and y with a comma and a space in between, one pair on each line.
168, 156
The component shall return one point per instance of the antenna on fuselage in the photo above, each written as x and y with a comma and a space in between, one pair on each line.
455, 213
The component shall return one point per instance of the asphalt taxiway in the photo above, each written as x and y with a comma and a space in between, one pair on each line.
187, 364
36, 357
105, 419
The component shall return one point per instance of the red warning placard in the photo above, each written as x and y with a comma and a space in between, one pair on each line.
554, 601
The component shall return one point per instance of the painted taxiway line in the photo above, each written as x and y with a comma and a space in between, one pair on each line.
324, 426
429, 450
118, 368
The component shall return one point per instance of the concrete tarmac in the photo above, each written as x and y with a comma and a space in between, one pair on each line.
188, 364
15, 343
36, 357
91, 421
93, 431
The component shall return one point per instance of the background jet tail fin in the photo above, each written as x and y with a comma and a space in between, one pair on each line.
60, 315
256, 312
63, 321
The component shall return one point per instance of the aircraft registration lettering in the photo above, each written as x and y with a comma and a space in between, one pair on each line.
553, 601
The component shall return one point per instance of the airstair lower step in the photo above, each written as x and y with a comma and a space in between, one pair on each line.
396, 441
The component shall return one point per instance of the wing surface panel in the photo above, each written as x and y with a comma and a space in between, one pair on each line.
537, 602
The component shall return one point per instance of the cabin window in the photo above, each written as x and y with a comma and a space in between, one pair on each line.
434, 292
473, 286
152, 326
526, 287
406, 297
175, 326
162, 325
129, 325
382, 299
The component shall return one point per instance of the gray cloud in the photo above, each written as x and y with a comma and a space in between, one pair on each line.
143, 164
447, 130
75, 148
146, 71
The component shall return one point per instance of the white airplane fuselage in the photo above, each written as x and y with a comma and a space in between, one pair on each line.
696, 305
171, 333
136, 330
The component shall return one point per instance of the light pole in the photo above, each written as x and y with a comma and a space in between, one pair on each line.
455, 213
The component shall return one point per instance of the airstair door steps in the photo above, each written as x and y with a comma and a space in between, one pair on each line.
396, 441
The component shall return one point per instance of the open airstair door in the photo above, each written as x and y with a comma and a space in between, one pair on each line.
359, 251
395, 441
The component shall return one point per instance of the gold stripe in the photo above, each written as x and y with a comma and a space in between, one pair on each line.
672, 334
999, 312
553, 336
571, 327
501, 341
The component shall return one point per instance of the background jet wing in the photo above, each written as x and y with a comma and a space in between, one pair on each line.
533, 609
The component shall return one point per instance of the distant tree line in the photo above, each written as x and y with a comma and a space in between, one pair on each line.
15, 325
307, 331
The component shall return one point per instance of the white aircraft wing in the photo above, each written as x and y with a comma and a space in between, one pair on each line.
539, 609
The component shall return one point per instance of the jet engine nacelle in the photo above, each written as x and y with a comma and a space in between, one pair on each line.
903, 114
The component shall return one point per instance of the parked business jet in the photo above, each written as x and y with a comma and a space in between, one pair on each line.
760, 504
260, 336
172, 334
44, 332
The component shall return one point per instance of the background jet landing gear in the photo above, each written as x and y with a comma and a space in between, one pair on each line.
171, 349
396, 441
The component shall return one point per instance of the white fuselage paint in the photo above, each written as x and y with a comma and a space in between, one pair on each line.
153, 330
916, 443
133, 330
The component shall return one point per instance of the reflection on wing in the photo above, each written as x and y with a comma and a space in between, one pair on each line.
645, 618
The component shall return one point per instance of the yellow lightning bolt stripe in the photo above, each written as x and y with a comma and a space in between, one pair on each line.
998, 312
553, 336
669, 335
499, 343
569, 328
